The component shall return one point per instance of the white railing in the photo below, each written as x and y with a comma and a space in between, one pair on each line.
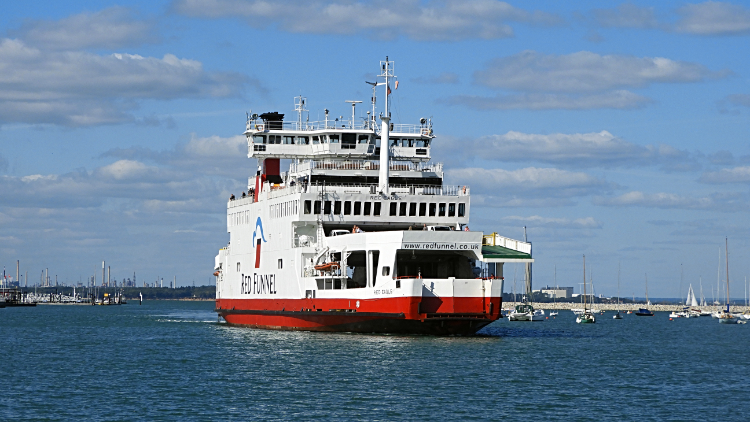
495, 239
363, 165
335, 124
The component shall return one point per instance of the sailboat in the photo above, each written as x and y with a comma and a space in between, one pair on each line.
586, 317
691, 301
645, 311
725, 317
525, 311
617, 315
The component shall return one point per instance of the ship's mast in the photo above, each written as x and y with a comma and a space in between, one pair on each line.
386, 68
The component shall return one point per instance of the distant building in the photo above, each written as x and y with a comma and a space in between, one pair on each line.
556, 292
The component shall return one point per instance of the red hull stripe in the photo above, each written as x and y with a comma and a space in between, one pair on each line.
399, 314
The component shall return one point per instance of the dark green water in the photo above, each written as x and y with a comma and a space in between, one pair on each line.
172, 361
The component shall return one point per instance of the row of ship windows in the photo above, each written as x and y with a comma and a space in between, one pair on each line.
284, 209
402, 209
346, 139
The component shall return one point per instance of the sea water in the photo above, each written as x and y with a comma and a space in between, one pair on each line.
171, 360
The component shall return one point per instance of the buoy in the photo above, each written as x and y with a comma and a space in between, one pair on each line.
670, 319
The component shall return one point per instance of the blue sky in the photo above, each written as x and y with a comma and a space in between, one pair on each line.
615, 130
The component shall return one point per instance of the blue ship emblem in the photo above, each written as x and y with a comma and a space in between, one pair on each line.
258, 225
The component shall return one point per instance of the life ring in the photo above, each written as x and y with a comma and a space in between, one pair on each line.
216, 274
327, 266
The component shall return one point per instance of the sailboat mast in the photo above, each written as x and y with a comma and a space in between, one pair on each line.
726, 245
618, 287
584, 284
648, 302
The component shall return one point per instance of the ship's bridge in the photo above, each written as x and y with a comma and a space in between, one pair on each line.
333, 138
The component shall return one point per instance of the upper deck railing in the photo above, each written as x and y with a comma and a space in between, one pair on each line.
276, 191
363, 165
260, 126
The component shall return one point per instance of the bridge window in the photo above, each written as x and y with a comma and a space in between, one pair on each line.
289, 140
357, 208
316, 140
368, 207
402, 209
461, 210
317, 207
363, 139
274, 139
394, 205
308, 206
347, 207
422, 209
348, 141
412, 209
303, 140
259, 139
376, 211
337, 207
334, 139
327, 207
451, 210
432, 209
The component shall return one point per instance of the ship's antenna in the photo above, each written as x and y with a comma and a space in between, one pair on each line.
354, 104
370, 122
299, 107
387, 72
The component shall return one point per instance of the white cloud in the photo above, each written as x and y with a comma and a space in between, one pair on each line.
114, 27
538, 221
585, 71
734, 175
600, 148
620, 99
577, 81
529, 186
125, 170
577, 150
657, 200
431, 20
211, 155
82, 89
714, 18
626, 15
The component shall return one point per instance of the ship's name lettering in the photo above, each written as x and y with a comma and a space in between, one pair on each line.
442, 246
384, 292
258, 284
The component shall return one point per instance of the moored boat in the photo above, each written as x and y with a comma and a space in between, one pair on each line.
585, 317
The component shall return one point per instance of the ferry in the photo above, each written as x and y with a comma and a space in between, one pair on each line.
357, 234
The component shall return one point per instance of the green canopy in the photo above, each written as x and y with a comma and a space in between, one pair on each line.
501, 253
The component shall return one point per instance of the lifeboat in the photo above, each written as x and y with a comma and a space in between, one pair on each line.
328, 266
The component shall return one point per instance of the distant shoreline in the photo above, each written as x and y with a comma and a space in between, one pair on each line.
623, 306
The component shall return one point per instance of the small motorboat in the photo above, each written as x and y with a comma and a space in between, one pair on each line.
526, 312
644, 312
617, 316
586, 318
